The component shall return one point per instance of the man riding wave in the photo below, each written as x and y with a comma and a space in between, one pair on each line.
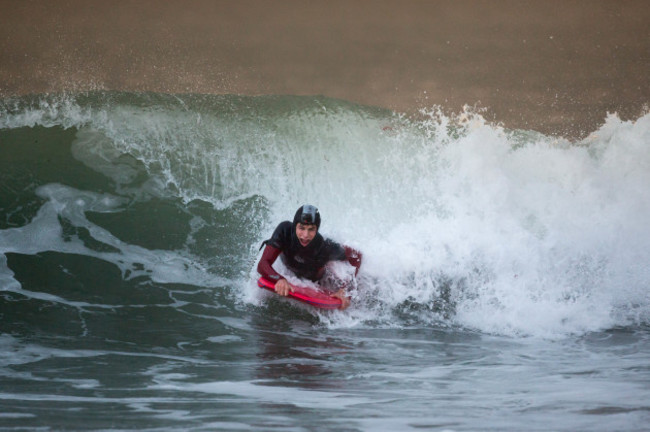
305, 252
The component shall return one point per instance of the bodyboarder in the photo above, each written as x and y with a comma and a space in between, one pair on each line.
305, 252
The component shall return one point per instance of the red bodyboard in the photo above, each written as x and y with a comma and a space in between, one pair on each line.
308, 295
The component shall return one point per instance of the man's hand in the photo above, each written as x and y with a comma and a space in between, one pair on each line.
342, 295
283, 287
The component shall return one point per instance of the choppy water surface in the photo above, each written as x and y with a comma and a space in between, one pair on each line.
505, 284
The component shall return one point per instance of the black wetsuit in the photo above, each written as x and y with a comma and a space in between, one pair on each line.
307, 262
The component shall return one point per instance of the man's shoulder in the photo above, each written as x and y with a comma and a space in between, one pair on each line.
331, 243
282, 234
334, 249
284, 226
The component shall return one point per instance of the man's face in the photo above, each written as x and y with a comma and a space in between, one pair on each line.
306, 233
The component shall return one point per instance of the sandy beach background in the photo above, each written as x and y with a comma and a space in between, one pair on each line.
554, 66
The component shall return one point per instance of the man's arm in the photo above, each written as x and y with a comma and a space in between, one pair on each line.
354, 257
265, 268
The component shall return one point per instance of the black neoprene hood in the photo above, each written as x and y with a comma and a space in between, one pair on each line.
307, 214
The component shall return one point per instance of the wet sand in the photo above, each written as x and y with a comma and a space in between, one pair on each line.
554, 66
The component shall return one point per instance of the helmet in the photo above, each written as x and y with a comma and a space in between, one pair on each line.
307, 214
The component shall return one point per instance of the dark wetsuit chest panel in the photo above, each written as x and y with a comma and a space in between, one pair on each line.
306, 262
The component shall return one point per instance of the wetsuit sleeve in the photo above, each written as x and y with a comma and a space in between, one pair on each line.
265, 266
346, 253
354, 257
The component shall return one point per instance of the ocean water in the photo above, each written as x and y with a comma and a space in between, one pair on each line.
505, 283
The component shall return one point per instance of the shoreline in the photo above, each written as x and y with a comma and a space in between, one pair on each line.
557, 67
